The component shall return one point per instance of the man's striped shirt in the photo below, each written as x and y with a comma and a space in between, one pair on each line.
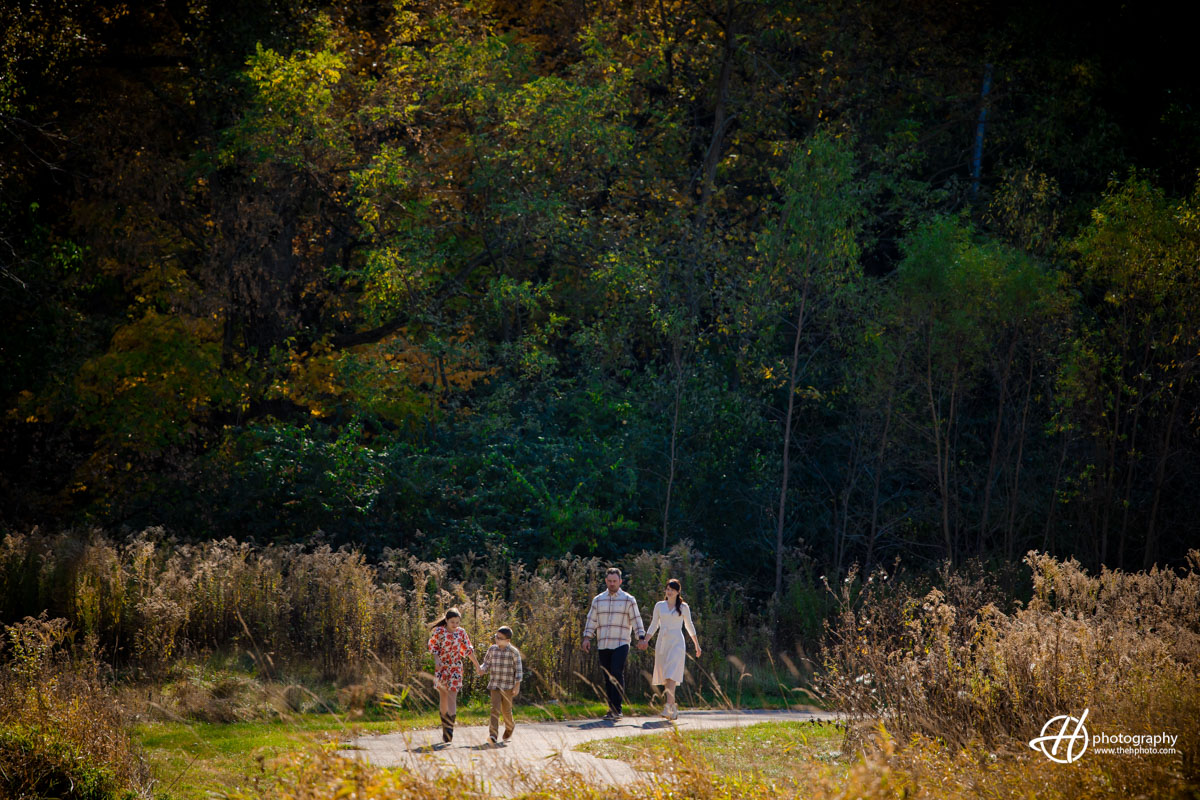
610, 619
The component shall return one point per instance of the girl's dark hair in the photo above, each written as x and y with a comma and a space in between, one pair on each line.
674, 584
450, 612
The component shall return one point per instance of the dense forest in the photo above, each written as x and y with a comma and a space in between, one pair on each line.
805, 284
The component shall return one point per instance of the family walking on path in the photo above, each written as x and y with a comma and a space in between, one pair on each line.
612, 617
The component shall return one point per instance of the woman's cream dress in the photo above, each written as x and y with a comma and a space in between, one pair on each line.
670, 652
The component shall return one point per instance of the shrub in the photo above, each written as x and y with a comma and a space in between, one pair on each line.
61, 732
35, 763
950, 663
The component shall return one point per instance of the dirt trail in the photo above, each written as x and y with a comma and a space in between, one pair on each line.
540, 750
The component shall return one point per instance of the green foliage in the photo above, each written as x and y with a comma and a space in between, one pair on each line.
968, 291
816, 237
313, 481
1134, 365
153, 388
554, 279
291, 118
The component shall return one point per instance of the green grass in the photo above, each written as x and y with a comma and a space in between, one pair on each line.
190, 760
769, 750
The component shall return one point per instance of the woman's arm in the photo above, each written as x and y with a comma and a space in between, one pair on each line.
655, 622
691, 628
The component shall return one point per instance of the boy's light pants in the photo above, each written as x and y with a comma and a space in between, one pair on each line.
501, 705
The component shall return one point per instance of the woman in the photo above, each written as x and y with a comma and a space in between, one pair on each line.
449, 645
671, 616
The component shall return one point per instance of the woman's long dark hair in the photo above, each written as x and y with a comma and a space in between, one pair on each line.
674, 584
450, 612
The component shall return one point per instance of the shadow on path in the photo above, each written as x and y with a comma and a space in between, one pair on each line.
657, 725
594, 724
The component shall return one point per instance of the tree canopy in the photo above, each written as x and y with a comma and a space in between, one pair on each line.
565, 277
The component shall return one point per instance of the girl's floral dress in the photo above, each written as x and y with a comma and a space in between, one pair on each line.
449, 649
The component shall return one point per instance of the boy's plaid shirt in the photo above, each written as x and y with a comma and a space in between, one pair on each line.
503, 666
610, 619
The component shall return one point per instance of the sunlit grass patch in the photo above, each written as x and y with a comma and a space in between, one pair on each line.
193, 759
771, 750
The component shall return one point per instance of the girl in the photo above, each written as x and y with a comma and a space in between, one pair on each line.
449, 644
671, 616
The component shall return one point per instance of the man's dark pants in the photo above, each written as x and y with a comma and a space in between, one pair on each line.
613, 664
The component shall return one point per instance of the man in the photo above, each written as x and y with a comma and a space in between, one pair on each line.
611, 617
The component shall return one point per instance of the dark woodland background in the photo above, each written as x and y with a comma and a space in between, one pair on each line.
590, 278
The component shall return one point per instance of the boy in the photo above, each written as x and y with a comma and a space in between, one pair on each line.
503, 666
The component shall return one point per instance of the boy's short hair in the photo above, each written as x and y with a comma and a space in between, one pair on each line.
505, 631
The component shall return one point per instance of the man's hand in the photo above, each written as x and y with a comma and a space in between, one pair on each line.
642, 644
516, 690
587, 645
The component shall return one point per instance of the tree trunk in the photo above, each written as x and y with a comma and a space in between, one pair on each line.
787, 443
1048, 535
883, 441
678, 362
951, 497
1151, 552
991, 470
842, 506
1132, 455
1110, 475
713, 156
977, 155
942, 460
1109, 479
1014, 499
668, 47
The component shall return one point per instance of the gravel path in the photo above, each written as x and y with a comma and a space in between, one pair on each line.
542, 749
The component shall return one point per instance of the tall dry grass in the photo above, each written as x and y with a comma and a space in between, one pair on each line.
950, 664
151, 602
